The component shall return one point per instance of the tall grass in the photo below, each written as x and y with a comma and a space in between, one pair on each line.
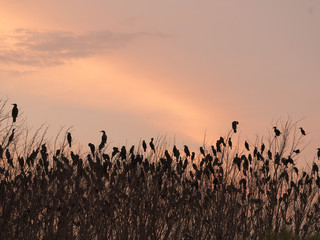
161, 194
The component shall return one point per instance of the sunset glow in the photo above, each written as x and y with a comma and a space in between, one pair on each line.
181, 69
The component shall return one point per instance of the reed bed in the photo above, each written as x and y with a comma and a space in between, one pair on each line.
216, 192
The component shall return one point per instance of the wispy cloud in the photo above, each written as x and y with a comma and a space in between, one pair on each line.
40, 48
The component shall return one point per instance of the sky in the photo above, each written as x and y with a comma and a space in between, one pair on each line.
175, 68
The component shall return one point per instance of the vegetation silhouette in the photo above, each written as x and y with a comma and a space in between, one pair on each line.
219, 192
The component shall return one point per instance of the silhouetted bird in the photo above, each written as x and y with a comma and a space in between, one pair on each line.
58, 152
302, 131
192, 156
123, 153
103, 140
276, 131
131, 149
11, 137
176, 152
92, 148
115, 151
230, 143
202, 151
297, 151
246, 144
186, 151
269, 154
222, 141
237, 161
152, 145
69, 138
262, 148
214, 150
14, 112
315, 168
234, 126
218, 146
144, 145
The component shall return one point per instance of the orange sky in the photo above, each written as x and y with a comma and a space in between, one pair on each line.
139, 69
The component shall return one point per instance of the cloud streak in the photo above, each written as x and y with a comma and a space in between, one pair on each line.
41, 49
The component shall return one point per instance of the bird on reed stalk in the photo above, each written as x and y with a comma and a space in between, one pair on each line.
69, 138
276, 131
14, 112
186, 151
103, 140
234, 126
152, 145
246, 144
230, 143
92, 148
302, 131
144, 145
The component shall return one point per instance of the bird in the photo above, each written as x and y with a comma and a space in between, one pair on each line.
297, 151
214, 150
152, 145
144, 145
92, 148
276, 131
115, 151
315, 168
69, 138
318, 153
246, 144
11, 137
262, 148
186, 150
302, 131
202, 151
14, 112
230, 143
103, 140
234, 126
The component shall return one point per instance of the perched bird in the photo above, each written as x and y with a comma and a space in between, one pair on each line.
186, 150
92, 148
103, 140
144, 145
14, 112
69, 138
222, 141
302, 131
246, 144
11, 137
152, 145
230, 143
263, 147
297, 151
234, 126
123, 153
115, 151
276, 131
214, 150
131, 149
315, 168
202, 151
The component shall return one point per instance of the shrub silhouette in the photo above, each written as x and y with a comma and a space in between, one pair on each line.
220, 192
